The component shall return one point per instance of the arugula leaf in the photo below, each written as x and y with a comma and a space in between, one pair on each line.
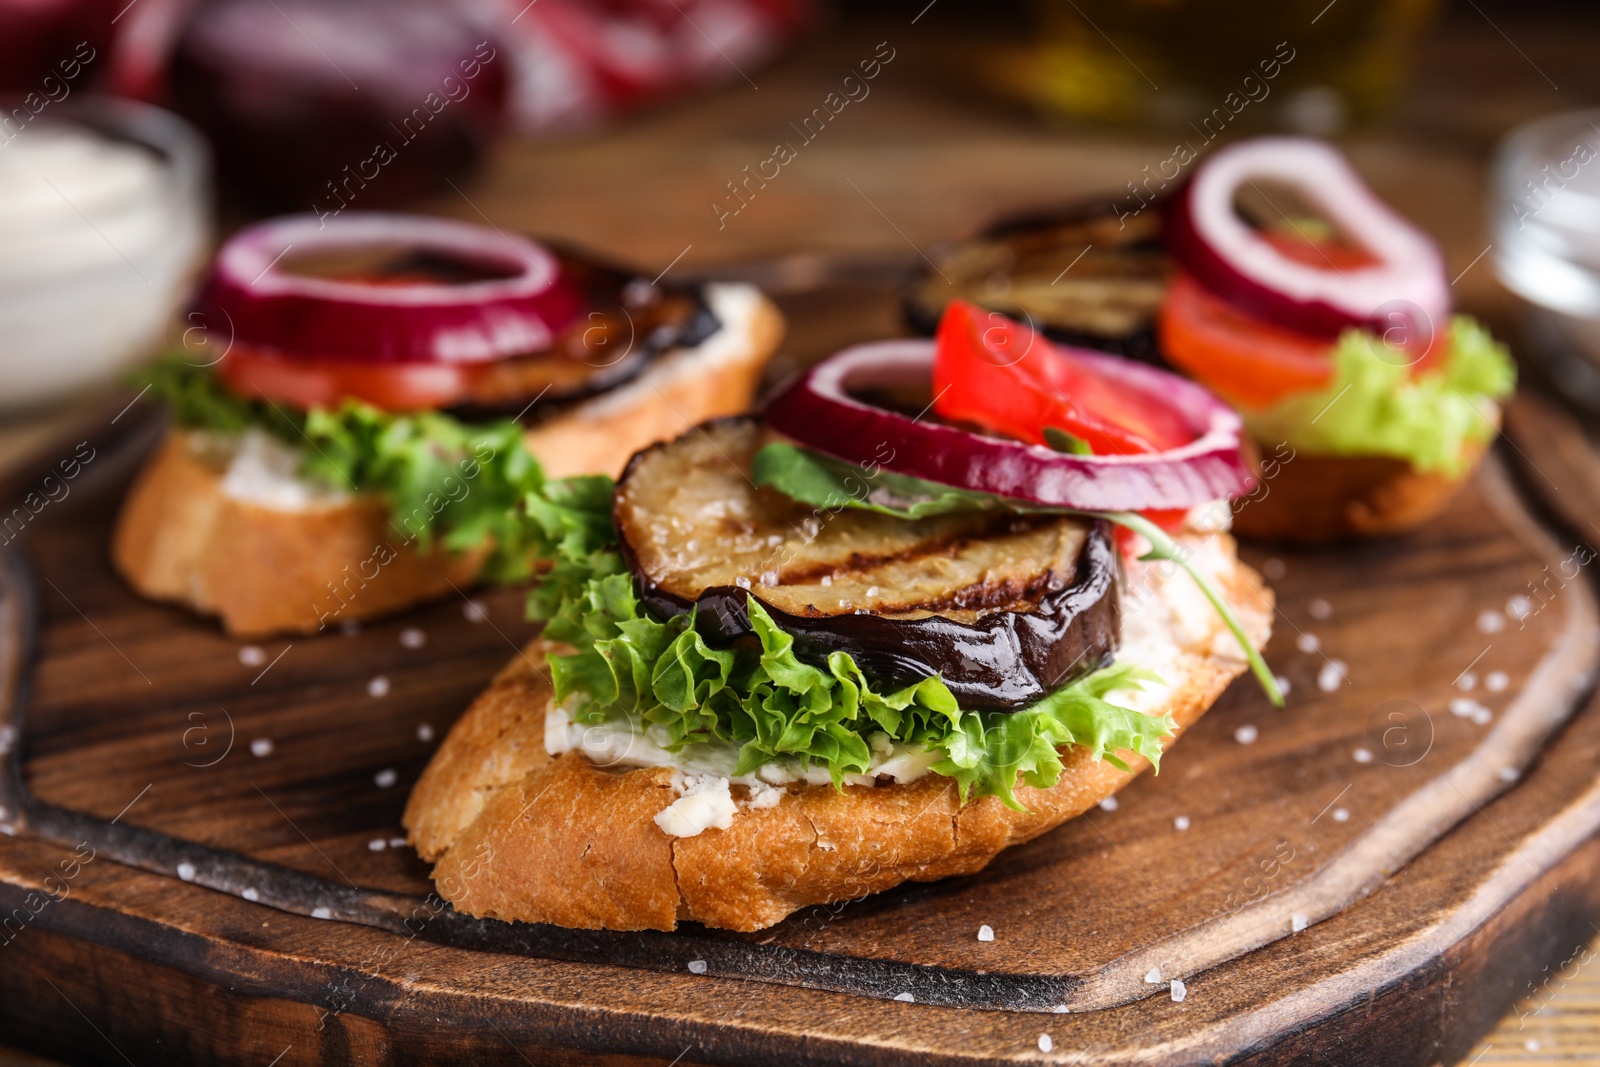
1062, 441
813, 478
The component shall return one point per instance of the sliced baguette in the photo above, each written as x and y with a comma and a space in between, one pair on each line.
264, 570
519, 835
1318, 499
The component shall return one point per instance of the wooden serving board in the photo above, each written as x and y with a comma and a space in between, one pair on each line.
1369, 876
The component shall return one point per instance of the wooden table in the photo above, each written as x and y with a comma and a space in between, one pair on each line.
925, 158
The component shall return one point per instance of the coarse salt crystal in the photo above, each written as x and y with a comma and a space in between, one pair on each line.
1518, 607
1179, 991
1332, 675
252, 656
1298, 922
1274, 568
321, 913
1509, 774
1153, 977
251, 895
386, 777
378, 687
397, 842
1362, 755
905, 998
1496, 681
1308, 642
985, 932
1320, 609
1045, 1044
1109, 804
1467, 682
412, 637
1341, 815
1491, 622
377, 844
697, 966
1181, 822
1246, 735
186, 871
424, 732
1283, 684
261, 747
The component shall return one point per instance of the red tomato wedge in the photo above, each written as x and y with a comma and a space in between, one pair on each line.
306, 384
1249, 362
1000, 374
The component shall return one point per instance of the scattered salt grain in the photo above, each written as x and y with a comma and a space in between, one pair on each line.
1274, 568
1307, 642
251, 895
252, 656
1332, 675
742, 582
1467, 708
1298, 922
424, 732
1179, 991
1109, 804
1045, 1044
1154, 977
1181, 822
261, 747
321, 913
350, 627
905, 998
1491, 622
1509, 774
1467, 682
1496, 681
1320, 609
378, 687
397, 842
1518, 607
985, 932
411, 637
474, 611
386, 777
1059, 1009
1532, 1044
1283, 684
1341, 814
377, 844
697, 966
1246, 735
8, 737
186, 871
1362, 755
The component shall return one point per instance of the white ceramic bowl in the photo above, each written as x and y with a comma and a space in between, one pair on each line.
93, 268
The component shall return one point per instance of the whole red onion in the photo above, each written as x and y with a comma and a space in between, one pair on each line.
324, 105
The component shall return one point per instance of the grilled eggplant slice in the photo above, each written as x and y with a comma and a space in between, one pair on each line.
1080, 273
1005, 608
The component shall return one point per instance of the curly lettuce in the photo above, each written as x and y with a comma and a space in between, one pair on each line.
461, 486
763, 700
1375, 406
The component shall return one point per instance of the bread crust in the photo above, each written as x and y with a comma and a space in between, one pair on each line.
1318, 499
519, 835
263, 571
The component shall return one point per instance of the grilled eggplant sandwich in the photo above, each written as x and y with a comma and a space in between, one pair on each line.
1275, 277
362, 399
944, 596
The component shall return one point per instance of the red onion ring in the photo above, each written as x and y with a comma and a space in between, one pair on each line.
251, 298
819, 411
1406, 288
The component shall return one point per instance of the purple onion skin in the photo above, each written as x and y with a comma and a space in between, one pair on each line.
298, 129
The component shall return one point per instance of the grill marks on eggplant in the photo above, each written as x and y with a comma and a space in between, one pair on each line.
1005, 608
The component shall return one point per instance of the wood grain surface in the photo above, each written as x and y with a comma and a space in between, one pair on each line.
187, 972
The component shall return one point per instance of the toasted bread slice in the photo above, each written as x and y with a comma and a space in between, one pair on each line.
1317, 499
184, 537
517, 834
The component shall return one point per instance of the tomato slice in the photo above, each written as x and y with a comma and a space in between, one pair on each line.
1000, 374
1251, 363
308, 384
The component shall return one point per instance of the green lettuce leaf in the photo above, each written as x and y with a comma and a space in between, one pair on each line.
462, 486
1375, 406
629, 667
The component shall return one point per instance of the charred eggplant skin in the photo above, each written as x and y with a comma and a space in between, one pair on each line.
1004, 660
